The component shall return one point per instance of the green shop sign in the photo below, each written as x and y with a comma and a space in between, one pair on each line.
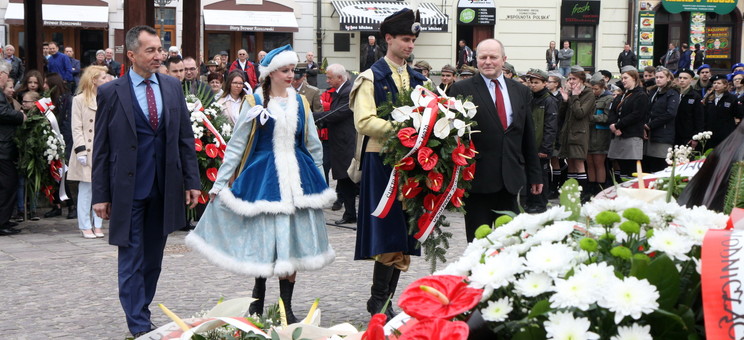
718, 6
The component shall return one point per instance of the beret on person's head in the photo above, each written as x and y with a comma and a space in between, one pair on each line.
718, 77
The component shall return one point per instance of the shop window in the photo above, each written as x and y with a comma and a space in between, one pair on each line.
274, 40
248, 43
582, 40
217, 42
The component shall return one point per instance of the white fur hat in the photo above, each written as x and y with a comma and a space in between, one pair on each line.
276, 58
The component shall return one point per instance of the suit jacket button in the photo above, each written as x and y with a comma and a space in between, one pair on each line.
91, 130
90, 141
130, 174
134, 147
91, 120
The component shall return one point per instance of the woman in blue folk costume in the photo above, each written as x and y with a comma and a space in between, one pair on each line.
265, 217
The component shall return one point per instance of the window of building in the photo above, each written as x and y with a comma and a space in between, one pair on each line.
582, 39
167, 18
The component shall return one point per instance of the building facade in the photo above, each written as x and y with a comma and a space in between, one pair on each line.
336, 30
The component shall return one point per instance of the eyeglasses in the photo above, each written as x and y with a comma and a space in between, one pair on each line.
190, 69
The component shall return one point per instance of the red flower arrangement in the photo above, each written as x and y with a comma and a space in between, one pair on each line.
430, 144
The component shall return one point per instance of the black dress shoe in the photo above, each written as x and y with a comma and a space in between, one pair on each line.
337, 206
53, 213
139, 334
7, 231
9, 224
346, 221
71, 213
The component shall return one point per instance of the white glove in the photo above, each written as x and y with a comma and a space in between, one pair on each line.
83, 160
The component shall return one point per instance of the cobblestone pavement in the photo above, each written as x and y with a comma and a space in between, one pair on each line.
58, 285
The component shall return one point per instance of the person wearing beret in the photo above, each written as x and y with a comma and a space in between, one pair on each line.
723, 111
737, 67
385, 240
448, 75
545, 116
703, 84
423, 67
690, 118
737, 79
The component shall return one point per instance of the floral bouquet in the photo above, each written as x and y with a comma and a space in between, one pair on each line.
612, 269
211, 130
431, 153
41, 150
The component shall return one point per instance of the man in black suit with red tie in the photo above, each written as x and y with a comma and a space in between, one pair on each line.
507, 158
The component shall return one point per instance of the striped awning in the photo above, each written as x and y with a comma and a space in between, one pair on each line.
367, 15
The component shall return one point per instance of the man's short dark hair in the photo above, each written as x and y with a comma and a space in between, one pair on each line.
172, 60
606, 73
132, 38
649, 69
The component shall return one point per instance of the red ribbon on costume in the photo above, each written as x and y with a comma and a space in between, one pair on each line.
428, 220
427, 125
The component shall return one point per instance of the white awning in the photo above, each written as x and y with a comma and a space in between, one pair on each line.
62, 15
354, 15
249, 21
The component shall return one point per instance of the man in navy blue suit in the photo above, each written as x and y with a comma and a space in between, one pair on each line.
143, 164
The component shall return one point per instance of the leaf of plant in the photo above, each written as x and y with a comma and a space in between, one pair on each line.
570, 200
530, 333
540, 308
274, 335
664, 275
638, 267
296, 333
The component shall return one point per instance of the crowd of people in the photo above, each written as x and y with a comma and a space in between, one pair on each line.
536, 129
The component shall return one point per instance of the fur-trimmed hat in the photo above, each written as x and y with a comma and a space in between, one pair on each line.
276, 58
405, 21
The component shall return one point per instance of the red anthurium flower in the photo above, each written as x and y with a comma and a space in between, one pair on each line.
198, 145
457, 197
375, 328
459, 155
406, 164
54, 167
203, 197
212, 174
211, 150
437, 329
439, 297
469, 173
427, 158
411, 188
430, 202
221, 153
434, 181
407, 136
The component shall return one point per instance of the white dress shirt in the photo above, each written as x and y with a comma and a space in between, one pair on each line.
504, 93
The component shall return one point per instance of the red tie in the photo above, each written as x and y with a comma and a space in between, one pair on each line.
152, 108
500, 104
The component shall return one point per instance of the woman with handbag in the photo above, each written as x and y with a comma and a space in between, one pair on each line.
265, 217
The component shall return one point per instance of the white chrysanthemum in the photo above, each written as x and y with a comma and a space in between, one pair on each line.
555, 232
600, 274
630, 297
553, 259
670, 242
498, 310
563, 326
463, 265
576, 291
619, 204
533, 284
498, 270
556, 213
634, 332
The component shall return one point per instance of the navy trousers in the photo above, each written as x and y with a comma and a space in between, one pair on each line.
140, 262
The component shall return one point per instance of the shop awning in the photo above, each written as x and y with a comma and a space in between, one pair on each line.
367, 15
266, 17
62, 15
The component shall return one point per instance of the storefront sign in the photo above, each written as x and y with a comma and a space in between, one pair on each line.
645, 50
580, 12
718, 6
367, 15
63, 23
697, 28
476, 12
526, 14
718, 42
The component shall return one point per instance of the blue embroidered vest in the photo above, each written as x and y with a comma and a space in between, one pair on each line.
384, 81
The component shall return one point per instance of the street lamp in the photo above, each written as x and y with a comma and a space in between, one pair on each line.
162, 4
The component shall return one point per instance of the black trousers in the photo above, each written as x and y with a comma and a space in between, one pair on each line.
8, 189
480, 209
541, 200
346, 190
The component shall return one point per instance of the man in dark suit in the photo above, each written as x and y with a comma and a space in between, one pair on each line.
341, 139
143, 165
114, 66
627, 58
507, 158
